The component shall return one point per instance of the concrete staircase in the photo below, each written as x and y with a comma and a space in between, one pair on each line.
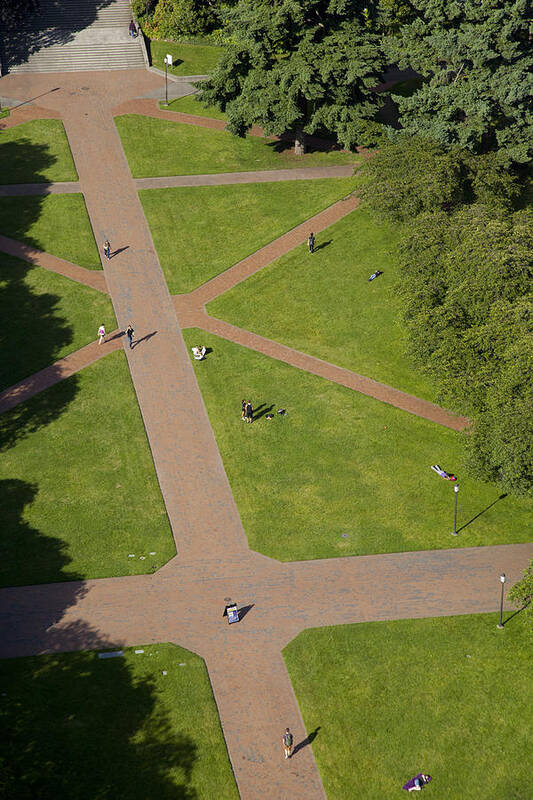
71, 36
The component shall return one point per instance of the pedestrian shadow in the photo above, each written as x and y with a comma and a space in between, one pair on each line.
261, 410
470, 521
120, 250
322, 245
309, 739
117, 335
144, 339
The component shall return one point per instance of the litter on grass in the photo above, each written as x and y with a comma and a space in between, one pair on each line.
142, 558
139, 651
113, 654
131, 555
152, 553
163, 672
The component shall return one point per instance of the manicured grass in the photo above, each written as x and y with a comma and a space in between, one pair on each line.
155, 147
36, 152
340, 463
191, 105
48, 316
201, 231
113, 728
450, 697
188, 59
57, 224
324, 304
82, 492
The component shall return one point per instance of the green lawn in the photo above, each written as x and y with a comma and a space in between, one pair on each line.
341, 474
36, 152
58, 224
324, 304
190, 105
188, 59
80, 727
450, 697
201, 231
82, 492
155, 147
49, 317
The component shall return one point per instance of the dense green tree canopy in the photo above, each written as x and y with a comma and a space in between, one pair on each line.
477, 62
299, 66
466, 278
413, 174
12, 11
521, 593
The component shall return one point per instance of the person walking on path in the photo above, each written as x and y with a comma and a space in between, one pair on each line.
243, 410
107, 249
249, 412
101, 334
311, 242
129, 334
287, 743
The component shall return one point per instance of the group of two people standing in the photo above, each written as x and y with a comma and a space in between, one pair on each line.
247, 412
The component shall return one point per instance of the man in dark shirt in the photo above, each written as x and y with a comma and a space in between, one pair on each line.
249, 412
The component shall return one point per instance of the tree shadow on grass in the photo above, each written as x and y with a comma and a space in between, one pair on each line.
80, 727
74, 725
32, 332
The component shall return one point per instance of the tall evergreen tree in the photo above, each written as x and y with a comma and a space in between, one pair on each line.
477, 62
299, 66
13, 11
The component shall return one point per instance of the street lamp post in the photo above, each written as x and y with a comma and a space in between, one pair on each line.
456, 492
500, 623
168, 62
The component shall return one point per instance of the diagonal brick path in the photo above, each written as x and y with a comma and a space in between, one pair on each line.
344, 377
89, 277
58, 371
238, 273
182, 603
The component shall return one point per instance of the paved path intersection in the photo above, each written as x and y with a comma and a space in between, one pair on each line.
182, 602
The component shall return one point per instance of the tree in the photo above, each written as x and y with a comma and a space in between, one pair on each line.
299, 67
409, 176
171, 19
412, 174
477, 63
13, 11
522, 591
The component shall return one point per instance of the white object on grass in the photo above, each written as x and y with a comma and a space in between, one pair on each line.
113, 654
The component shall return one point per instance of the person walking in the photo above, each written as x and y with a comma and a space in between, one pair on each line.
101, 334
243, 410
311, 242
249, 412
129, 334
287, 743
107, 249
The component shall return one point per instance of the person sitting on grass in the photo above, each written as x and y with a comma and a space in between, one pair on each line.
198, 352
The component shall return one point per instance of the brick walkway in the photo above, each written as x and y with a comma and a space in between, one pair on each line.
89, 277
182, 603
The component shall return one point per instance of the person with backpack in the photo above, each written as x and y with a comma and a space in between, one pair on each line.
287, 743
